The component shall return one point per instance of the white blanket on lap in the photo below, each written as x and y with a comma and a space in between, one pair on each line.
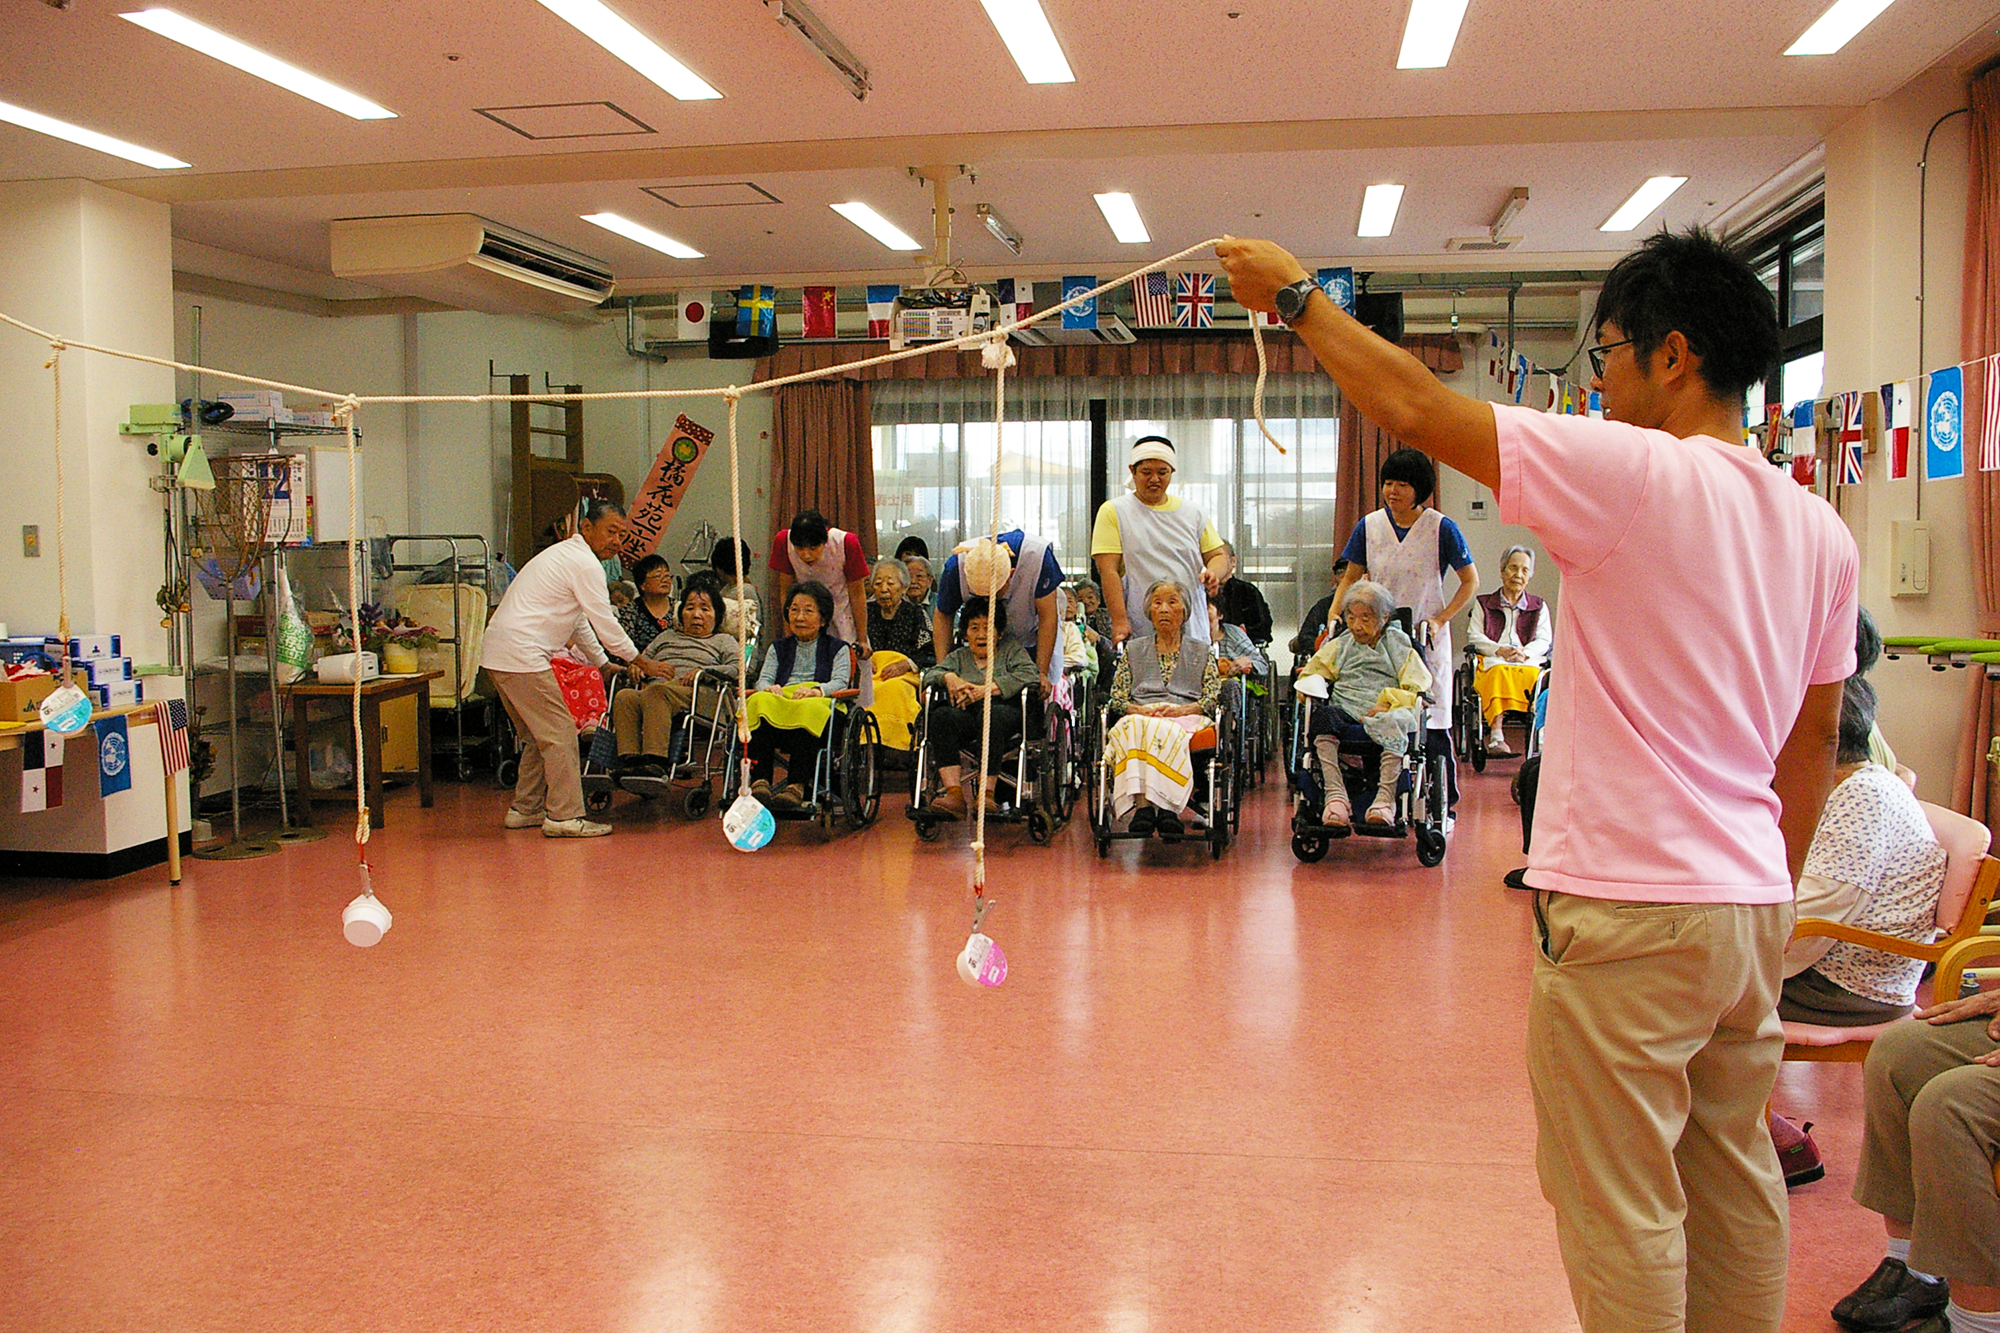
1150, 761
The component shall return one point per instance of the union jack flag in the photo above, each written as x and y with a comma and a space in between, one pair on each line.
1194, 300
1152, 301
1853, 439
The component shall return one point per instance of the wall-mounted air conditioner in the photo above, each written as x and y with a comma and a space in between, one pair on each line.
463, 260
1110, 329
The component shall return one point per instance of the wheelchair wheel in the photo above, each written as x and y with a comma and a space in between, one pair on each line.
1103, 848
927, 830
507, 772
695, 804
597, 802
861, 774
1430, 846
1041, 828
1308, 848
1476, 751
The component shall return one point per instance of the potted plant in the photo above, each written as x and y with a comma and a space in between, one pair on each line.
402, 642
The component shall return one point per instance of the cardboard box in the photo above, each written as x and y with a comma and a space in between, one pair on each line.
118, 693
104, 670
20, 700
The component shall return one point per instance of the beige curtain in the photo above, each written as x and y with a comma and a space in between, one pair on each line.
1973, 788
1363, 446
1212, 355
823, 456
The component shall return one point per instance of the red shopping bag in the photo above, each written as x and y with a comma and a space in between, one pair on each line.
583, 690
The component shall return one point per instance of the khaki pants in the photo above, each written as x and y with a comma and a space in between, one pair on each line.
1927, 1152
551, 781
1653, 1042
644, 717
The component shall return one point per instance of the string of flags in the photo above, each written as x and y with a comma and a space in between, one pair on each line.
1926, 421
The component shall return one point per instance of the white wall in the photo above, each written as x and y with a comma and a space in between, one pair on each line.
1871, 337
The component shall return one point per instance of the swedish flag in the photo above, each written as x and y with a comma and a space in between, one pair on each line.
756, 311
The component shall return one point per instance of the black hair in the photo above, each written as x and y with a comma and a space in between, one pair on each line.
1867, 644
1414, 467
646, 565
809, 528
723, 559
1340, 566
978, 608
702, 583
597, 506
821, 599
1693, 283
913, 546
1857, 719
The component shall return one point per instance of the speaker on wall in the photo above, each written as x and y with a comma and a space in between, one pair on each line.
1382, 312
725, 345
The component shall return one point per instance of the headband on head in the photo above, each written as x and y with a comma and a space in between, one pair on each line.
1148, 447
986, 563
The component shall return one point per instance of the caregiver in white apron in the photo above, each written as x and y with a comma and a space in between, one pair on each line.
1146, 535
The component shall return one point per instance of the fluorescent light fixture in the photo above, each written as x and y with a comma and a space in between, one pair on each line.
220, 46
103, 143
635, 48
1430, 33
1837, 27
1123, 216
1030, 40
883, 230
1642, 203
645, 236
1378, 210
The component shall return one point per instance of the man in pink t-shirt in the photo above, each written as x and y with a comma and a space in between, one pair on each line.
1683, 770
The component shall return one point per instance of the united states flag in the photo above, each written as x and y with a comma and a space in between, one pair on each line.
170, 719
1194, 300
1153, 301
1989, 425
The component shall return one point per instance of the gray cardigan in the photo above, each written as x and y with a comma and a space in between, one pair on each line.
1013, 669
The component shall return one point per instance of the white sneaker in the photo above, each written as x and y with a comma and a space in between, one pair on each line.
1496, 742
573, 828
515, 819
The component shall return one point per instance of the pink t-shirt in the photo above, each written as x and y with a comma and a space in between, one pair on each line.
1703, 591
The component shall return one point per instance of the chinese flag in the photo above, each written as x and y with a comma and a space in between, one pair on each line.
817, 304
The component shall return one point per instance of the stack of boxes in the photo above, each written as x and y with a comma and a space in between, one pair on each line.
100, 660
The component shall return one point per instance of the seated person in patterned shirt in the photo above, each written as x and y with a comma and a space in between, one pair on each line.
895, 623
957, 719
1235, 654
1874, 863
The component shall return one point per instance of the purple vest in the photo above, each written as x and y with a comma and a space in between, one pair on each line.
1525, 620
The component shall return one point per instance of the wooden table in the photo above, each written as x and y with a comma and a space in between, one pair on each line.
374, 693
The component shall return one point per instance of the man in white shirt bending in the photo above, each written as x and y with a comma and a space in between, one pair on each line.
558, 600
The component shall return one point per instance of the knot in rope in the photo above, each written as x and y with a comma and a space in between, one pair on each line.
346, 408
732, 395
995, 354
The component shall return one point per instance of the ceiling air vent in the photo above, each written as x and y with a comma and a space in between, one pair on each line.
1481, 245
463, 260
1110, 329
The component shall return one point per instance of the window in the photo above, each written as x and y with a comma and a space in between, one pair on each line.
1791, 262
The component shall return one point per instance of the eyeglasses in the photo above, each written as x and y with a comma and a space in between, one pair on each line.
1596, 354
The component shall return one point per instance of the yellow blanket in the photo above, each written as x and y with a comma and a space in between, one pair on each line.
895, 700
785, 708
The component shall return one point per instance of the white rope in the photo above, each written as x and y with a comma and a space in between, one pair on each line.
998, 354
54, 368
1257, 396
57, 342
345, 413
733, 396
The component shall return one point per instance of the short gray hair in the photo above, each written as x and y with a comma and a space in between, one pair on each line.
1180, 590
1514, 550
1377, 597
901, 570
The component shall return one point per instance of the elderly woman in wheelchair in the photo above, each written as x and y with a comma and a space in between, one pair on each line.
1167, 688
1374, 681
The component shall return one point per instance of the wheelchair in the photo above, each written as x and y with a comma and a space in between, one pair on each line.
1217, 786
697, 754
846, 778
1036, 770
1468, 720
1422, 791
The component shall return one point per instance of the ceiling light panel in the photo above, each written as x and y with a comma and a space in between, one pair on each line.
1430, 33
635, 48
1837, 27
1378, 210
220, 46
1642, 203
1030, 40
883, 230
1123, 217
645, 236
103, 143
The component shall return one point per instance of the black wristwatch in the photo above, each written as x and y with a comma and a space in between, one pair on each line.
1291, 301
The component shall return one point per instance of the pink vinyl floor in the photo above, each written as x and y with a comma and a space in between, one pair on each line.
650, 1083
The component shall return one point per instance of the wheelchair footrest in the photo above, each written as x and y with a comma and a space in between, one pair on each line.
1367, 830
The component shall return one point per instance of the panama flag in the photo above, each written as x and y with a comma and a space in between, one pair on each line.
1896, 426
41, 771
1944, 425
881, 305
819, 313
1989, 422
1853, 439
1017, 299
